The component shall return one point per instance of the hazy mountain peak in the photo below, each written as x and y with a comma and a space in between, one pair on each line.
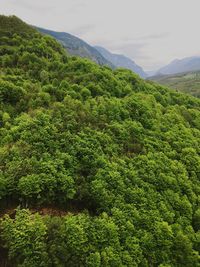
181, 65
121, 61
78, 47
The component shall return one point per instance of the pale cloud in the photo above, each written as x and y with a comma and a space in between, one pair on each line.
83, 29
152, 32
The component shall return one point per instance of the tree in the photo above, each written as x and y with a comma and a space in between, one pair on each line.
25, 238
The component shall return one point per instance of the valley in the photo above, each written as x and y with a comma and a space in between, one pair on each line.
188, 82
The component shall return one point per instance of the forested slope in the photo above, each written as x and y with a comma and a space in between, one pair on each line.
120, 156
77, 47
187, 82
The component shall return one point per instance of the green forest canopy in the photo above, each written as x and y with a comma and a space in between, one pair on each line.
120, 154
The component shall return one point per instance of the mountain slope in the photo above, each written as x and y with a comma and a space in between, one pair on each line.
76, 46
181, 65
102, 167
188, 82
121, 61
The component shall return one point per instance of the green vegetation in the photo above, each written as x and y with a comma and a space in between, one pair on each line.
120, 155
14, 25
188, 82
77, 47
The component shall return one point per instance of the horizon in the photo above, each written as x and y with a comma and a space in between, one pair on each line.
152, 46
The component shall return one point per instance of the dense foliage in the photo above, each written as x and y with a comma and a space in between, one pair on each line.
120, 154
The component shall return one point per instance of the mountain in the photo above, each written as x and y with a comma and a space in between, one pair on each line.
77, 47
97, 166
121, 61
101, 56
181, 65
188, 82
151, 73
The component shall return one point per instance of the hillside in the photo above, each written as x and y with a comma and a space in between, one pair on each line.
98, 168
187, 82
13, 25
181, 65
77, 47
121, 61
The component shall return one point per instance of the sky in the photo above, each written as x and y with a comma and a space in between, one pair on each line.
151, 32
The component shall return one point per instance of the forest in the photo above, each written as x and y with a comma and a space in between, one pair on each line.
98, 167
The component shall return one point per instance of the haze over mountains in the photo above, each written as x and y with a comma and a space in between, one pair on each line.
181, 65
78, 47
121, 61
181, 74
100, 55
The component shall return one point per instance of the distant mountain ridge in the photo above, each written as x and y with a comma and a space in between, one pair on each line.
181, 65
121, 61
76, 46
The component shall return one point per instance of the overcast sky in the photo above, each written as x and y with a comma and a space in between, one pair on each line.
151, 32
